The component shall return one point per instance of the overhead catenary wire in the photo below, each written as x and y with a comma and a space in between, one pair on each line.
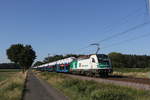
119, 34
126, 31
127, 40
125, 20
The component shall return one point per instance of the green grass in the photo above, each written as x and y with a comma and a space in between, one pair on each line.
7, 73
77, 89
10, 70
126, 70
11, 89
4, 76
133, 72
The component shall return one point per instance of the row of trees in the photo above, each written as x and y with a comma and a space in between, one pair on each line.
118, 60
129, 61
9, 66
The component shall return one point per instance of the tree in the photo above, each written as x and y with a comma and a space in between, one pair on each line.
38, 63
21, 55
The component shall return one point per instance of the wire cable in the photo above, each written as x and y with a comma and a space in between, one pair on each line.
125, 32
125, 20
118, 34
128, 40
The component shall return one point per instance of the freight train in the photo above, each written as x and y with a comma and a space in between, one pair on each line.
90, 65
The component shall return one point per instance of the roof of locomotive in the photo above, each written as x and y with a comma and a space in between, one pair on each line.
84, 57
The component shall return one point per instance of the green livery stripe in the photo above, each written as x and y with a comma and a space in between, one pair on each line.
73, 64
103, 66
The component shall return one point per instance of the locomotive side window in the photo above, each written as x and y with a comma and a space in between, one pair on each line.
93, 60
103, 59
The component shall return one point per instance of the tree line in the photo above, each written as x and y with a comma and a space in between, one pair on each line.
9, 66
129, 61
118, 60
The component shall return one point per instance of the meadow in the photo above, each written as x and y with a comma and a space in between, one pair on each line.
76, 89
7, 73
11, 84
133, 72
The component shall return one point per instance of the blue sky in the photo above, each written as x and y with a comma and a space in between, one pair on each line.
67, 26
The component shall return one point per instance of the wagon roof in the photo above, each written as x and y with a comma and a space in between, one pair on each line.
84, 57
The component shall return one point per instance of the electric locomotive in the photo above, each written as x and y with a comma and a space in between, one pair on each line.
92, 65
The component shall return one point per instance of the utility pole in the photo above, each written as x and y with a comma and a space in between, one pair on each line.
98, 48
147, 2
48, 56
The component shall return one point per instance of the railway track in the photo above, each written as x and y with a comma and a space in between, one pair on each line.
138, 83
130, 79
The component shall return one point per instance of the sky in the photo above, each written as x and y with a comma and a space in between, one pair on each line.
69, 26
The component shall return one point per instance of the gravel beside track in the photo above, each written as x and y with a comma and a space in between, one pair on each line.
128, 82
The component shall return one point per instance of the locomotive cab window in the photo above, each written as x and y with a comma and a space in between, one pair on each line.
103, 59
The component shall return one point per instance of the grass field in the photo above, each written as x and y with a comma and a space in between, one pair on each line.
7, 73
77, 89
127, 70
134, 72
11, 84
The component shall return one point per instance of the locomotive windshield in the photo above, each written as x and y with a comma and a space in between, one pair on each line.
103, 59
